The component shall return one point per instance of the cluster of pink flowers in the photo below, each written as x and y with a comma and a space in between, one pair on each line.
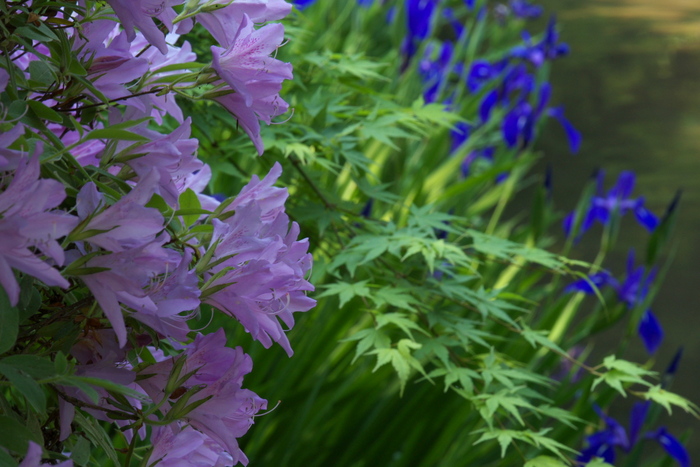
99, 235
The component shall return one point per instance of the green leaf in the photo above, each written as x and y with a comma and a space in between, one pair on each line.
80, 453
29, 388
44, 112
401, 359
190, 207
394, 296
668, 399
368, 338
6, 460
110, 386
9, 323
41, 33
16, 436
33, 365
114, 133
60, 363
622, 372
96, 434
40, 72
347, 291
545, 461
401, 321
598, 462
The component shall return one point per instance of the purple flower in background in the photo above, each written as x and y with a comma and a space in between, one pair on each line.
523, 9
459, 135
650, 331
599, 280
617, 200
301, 4
482, 72
572, 134
484, 153
419, 16
632, 291
435, 72
28, 220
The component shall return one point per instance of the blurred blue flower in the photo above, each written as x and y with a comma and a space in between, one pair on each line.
603, 443
419, 16
301, 4
482, 72
599, 280
617, 200
484, 153
523, 9
632, 291
650, 331
551, 47
435, 72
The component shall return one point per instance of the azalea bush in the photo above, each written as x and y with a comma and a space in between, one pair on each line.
157, 242
110, 247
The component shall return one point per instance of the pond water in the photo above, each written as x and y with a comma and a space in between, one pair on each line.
632, 86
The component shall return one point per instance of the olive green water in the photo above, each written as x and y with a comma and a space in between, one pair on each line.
632, 86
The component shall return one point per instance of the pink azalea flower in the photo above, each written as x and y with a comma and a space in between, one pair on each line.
128, 273
173, 295
140, 14
33, 457
27, 220
189, 447
247, 60
172, 157
127, 223
220, 370
224, 23
99, 356
266, 263
162, 104
263, 106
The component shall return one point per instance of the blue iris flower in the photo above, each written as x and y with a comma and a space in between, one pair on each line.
617, 200
650, 331
419, 15
603, 443
484, 153
301, 4
632, 291
523, 9
435, 72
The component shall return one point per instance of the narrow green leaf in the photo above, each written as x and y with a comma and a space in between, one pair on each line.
9, 323
114, 133
45, 112
29, 388
96, 435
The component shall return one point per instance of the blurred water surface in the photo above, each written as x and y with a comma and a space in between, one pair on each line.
632, 86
